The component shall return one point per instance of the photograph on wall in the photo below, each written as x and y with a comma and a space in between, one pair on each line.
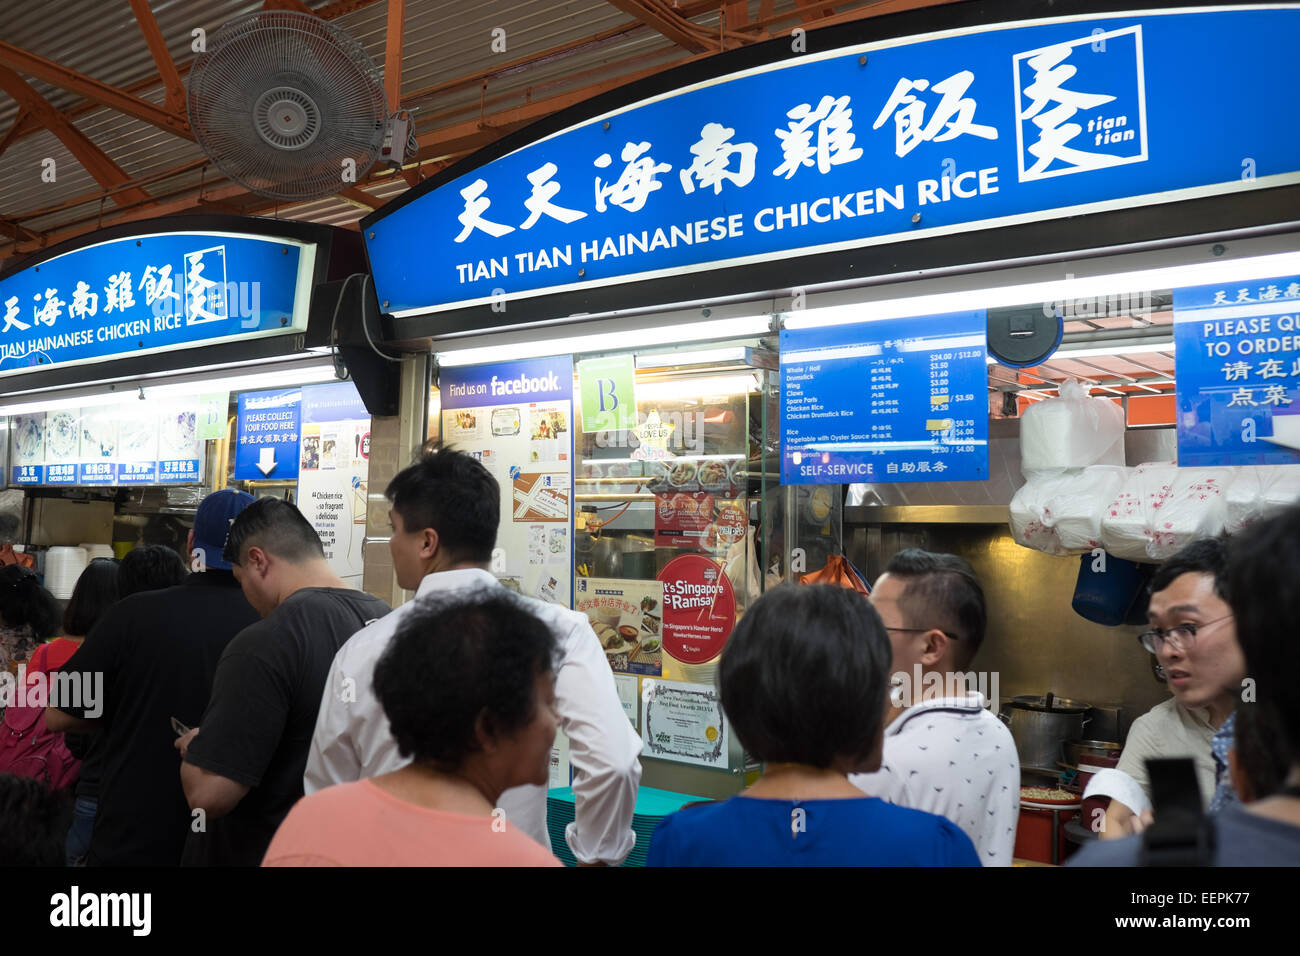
627, 617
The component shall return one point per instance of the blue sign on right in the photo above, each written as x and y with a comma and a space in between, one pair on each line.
1237, 348
884, 401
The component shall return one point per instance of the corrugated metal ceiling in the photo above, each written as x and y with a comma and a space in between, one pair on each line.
447, 52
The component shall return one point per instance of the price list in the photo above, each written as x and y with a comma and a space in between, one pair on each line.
892, 400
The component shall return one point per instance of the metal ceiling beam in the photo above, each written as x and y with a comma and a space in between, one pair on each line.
167, 72
668, 22
96, 162
65, 79
393, 56
328, 12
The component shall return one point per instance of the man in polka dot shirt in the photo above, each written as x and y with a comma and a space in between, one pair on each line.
945, 752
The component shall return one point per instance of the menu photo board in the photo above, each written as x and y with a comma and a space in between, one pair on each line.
333, 472
888, 400
628, 618
132, 443
517, 419
1237, 348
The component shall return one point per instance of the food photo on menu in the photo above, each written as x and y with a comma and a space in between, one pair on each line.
627, 617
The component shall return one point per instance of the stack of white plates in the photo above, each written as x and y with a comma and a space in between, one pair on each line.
97, 550
62, 568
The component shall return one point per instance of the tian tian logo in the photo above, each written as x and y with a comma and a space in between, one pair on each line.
1081, 105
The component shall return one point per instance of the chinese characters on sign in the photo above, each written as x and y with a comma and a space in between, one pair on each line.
268, 428
842, 150
1238, 355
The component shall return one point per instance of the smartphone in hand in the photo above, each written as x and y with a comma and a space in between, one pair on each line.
180, 729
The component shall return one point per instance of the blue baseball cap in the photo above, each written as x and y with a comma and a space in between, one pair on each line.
217, 512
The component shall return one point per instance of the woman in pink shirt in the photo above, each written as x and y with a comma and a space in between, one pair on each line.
468, 686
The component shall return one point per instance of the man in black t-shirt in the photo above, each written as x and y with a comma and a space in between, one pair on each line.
153, 656
243, 765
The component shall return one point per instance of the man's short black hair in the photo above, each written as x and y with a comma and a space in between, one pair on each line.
942, 591
149, 567
33, 823
276, 527
452, 493
24, 602
1263, 569
1202, 556
95, 592
456, 656
803, 676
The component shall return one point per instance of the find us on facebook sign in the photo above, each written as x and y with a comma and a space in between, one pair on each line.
152, 293
834, 150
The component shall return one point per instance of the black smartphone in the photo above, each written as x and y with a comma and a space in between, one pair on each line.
180, 729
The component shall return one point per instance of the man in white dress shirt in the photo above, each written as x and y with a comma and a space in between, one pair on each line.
945, 753
445, 510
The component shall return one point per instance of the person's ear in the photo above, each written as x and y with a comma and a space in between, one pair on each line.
257, 561
428, 543
1240, 779
934, 649
483, 733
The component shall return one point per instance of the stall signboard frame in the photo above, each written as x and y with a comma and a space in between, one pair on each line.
898, 139
153, 293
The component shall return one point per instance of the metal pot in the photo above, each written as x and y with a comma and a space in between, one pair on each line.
1040, 727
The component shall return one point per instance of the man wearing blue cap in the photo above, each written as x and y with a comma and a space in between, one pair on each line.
157, 652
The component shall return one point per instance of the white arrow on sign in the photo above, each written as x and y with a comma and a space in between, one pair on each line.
266, 461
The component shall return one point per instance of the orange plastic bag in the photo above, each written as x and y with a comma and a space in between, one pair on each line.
840, 573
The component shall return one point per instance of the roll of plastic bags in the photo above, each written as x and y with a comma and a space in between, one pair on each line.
1061, 514
1070, 432
1161, 507
1257, 490
1126, 524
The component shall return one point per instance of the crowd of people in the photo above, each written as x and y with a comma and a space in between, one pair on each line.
254, 709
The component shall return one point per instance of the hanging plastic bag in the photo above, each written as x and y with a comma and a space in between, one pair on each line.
838, 572
1073, 431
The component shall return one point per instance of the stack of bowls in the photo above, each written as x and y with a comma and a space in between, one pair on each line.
62, 568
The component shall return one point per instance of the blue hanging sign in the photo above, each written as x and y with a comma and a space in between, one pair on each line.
152, 293
1237, 348
268, 427
827, 151
884, 401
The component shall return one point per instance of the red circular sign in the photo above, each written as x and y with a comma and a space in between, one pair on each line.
699, 608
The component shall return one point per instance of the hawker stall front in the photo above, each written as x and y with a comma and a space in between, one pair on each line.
144, 366
797, 307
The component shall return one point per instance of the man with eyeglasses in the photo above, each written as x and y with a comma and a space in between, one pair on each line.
944, 751
1194, 640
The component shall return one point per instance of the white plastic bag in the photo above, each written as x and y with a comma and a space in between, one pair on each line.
1070, 432
1061, 514
1257, 490
1161, 507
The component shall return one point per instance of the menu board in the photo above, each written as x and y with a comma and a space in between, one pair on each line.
517, 419
1237, 348
627, 617
132, 443
883, 401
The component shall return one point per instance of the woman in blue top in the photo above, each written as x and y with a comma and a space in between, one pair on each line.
803, 681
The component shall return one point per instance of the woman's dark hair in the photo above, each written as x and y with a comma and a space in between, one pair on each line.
1257, 732
1263, 568
149, 567
452, 493
457, 656
33, 823
803, 677
96, 591
24, 602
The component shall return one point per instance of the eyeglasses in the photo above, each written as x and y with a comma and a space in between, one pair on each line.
1181, 637
918, 630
